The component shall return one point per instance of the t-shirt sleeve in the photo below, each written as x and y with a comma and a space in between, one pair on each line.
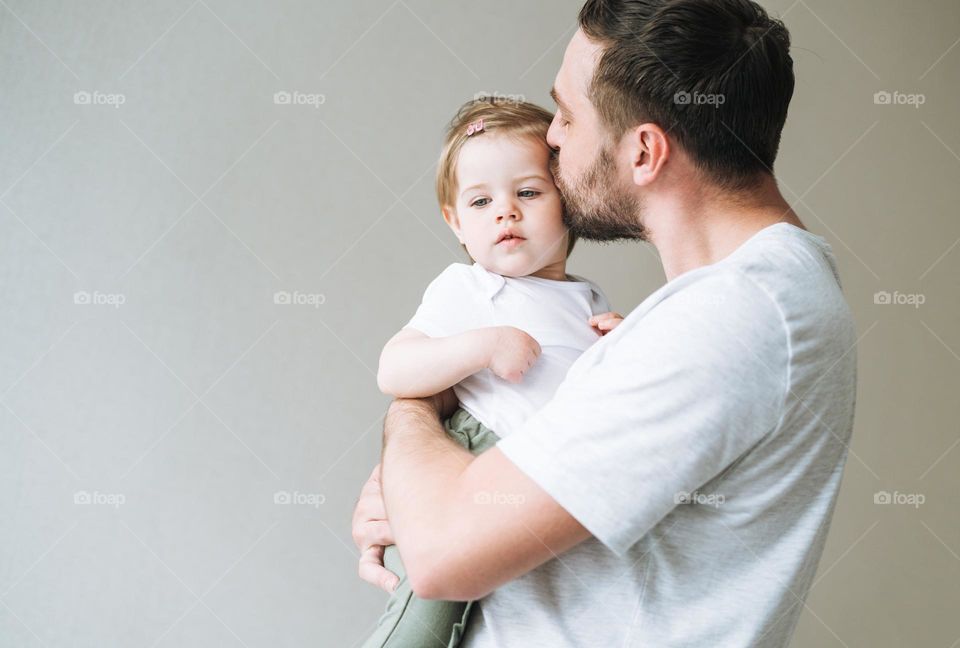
434, 316
658, 409
601, 302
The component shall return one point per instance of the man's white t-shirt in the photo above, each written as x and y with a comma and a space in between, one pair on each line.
701, 443
555, 313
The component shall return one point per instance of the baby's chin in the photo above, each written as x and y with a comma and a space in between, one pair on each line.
513, 264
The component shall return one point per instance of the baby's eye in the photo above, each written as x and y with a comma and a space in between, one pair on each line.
480, 202
528, 193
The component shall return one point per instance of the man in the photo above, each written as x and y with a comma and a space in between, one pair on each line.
678, 489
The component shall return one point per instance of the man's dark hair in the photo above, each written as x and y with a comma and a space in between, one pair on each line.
715, 74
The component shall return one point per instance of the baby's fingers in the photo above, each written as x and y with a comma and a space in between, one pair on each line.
602, 316
606, 322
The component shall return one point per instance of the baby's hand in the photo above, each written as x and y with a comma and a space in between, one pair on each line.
605, 322
512, 352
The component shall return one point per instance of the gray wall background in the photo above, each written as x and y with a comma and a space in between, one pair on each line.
148, 448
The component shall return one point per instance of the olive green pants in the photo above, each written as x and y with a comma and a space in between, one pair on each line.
411, 622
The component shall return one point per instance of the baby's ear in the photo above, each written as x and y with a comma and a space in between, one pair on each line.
450, 216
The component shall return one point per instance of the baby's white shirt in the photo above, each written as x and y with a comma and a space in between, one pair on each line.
555, 313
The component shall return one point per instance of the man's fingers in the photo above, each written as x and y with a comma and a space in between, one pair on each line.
377, 533
371, 569
369, 508
372, 485
370, 526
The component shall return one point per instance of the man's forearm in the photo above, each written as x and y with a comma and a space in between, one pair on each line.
420, 467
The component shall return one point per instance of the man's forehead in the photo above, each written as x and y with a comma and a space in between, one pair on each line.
575, 72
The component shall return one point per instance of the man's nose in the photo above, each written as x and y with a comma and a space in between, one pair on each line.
553, 132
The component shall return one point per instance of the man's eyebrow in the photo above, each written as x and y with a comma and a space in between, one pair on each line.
559, 102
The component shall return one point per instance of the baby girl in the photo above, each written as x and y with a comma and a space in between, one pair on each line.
503, 331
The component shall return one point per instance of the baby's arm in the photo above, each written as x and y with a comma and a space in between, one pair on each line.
414, 365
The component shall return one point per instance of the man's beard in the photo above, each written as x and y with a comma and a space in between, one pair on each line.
595, 207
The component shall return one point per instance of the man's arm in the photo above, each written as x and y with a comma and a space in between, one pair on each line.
464, 525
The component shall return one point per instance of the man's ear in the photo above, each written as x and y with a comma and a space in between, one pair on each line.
450, 216
649, 151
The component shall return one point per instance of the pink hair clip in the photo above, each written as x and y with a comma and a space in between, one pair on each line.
475, 127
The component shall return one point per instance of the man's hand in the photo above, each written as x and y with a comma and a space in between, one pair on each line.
605, 322
371, 529
371, 533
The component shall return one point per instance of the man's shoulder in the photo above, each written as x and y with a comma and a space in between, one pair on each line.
713, 298
714, 322
787, 261
782, 269
798, 271
778, 287
778, 295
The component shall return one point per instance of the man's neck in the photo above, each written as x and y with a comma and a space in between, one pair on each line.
697, 227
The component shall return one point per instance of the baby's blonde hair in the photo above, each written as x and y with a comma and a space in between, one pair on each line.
518, 119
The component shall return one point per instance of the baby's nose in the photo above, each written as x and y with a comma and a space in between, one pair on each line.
508, 212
